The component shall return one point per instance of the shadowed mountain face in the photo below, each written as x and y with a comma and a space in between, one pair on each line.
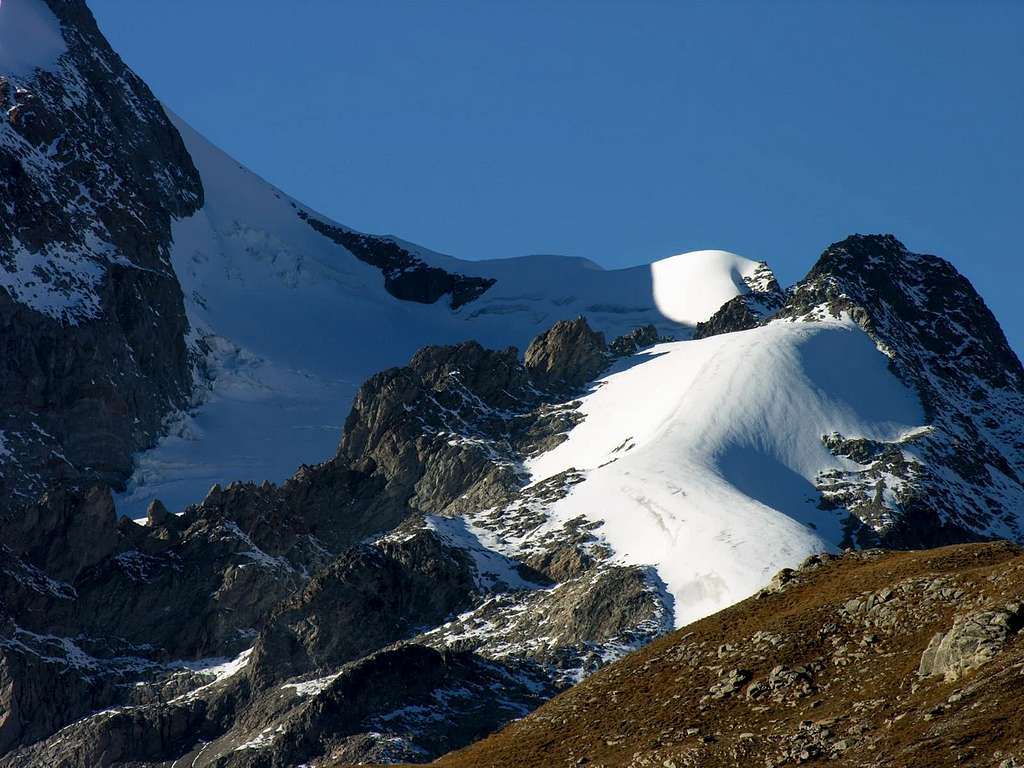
491, 529
92, 320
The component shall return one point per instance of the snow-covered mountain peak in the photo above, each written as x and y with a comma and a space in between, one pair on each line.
876, 402
690, 287
943, 341
712, 451
492, 526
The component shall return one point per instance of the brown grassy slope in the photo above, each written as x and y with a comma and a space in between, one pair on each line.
848, 692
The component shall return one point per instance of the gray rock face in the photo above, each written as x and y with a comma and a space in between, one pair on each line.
64, 533
972, 641
567, 356
441, 460
92, 324
386, 592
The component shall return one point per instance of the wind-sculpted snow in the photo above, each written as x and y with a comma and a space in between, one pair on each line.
701, 458
690, 288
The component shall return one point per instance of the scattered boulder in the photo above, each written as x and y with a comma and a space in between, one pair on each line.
972, 641
729, 683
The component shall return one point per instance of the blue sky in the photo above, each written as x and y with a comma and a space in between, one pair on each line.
622, 132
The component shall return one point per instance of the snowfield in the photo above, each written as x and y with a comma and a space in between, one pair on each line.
701, 456
30, 37
295, 323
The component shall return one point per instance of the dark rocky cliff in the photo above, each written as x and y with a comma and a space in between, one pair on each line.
92, 323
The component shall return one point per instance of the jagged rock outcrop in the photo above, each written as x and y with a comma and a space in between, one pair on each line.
740, 314
92, 322
637, 339
747, 310
307, 583
567, 356
386, 591
435, 461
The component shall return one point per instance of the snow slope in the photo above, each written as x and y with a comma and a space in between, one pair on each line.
701, 456
30, 37
688, 288
296, 324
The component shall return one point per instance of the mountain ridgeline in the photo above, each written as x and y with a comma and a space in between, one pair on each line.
487, 529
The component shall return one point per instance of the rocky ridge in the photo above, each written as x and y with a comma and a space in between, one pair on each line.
424, 532
232, 633
263, 625
212, 637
